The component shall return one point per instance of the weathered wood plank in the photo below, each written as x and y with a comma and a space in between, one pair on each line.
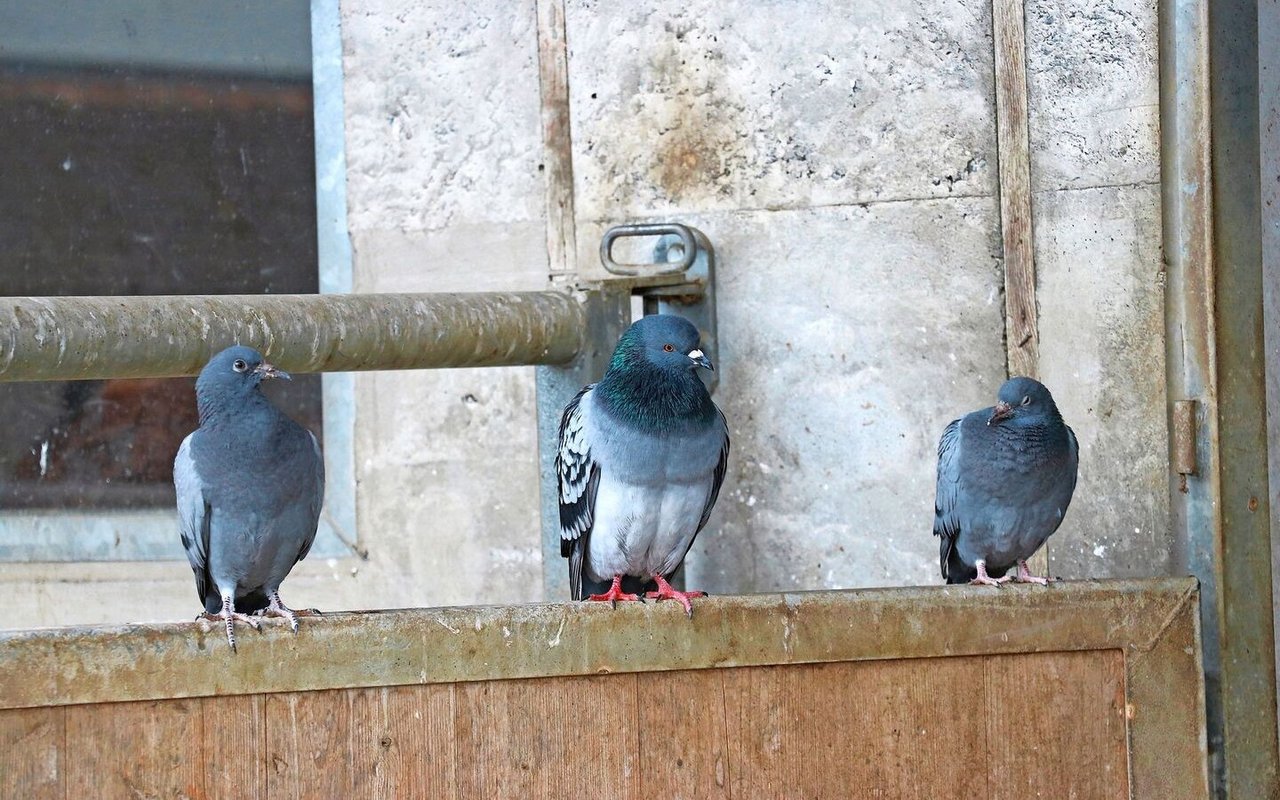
308, 744
684, 741
127, 750
387, 648
1014, 155
1055, 725
402, 743
32, 764
882, 728
557, 158
232, 746
566, 737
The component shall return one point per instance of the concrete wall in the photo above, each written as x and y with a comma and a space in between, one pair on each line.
841, 157
1093, 84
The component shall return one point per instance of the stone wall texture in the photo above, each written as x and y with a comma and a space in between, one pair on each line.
841, 157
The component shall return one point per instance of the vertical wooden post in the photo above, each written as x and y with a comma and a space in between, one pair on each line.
1014, 154
553, 81
1022, 338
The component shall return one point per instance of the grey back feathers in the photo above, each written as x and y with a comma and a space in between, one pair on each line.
250, 483
642, 455
1006, 475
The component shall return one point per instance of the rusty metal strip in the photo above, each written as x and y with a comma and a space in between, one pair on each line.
387, 648
71, 338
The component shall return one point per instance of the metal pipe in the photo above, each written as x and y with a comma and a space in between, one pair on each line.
73, 338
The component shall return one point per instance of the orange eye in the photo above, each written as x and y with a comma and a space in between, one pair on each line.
669, 348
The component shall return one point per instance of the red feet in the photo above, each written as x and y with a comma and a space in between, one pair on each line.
665, 592
615, 593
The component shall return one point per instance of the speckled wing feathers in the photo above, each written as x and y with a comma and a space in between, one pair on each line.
946, 522
578, 479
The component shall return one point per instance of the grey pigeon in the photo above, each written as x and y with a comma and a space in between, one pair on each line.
250, 482
1005, 479
642, 456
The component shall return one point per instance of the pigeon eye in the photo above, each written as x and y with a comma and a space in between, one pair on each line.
1026, 401
239, 365
669, 348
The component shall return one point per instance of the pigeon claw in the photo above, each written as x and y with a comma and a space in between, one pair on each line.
666, 592
277, 608
614, 594
983, 579
1024, 576
229, 616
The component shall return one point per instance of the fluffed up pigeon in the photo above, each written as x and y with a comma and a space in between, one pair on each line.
250, 482
1005, 479
641, 459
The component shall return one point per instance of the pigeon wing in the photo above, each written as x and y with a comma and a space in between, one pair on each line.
317, 497
946, 520
718, 477
194, 516
578, 477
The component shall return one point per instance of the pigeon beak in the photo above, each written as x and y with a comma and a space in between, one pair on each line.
267, 372
1002, 411
700, 360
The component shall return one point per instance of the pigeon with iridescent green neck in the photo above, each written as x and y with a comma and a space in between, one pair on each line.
641, 459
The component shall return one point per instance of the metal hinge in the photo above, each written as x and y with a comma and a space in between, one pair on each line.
1184, 440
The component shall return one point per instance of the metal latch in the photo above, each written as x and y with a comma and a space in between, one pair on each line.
680, 279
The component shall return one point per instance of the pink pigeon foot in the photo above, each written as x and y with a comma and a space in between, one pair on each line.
1025, 576
666, 592
985, 579
614, 594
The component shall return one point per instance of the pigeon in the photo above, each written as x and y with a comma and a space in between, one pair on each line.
250, 482
1005, 478
642, 455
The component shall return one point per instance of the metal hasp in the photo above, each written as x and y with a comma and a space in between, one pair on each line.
75, 338
679, 280
1215, 357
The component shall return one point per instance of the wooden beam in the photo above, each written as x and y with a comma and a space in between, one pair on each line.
1014, 160
557, 166
1021, 329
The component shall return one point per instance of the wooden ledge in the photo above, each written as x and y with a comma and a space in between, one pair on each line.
64, 666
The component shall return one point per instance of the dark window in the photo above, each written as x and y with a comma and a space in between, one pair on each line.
148, 150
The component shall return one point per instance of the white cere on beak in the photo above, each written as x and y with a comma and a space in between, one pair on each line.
694, 355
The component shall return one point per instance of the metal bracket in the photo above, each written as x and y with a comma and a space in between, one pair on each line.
680, 279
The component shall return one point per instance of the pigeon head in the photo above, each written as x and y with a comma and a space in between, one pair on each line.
662, 340
1023, 401
231, 378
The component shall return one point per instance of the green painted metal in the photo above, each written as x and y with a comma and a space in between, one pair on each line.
72, 338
